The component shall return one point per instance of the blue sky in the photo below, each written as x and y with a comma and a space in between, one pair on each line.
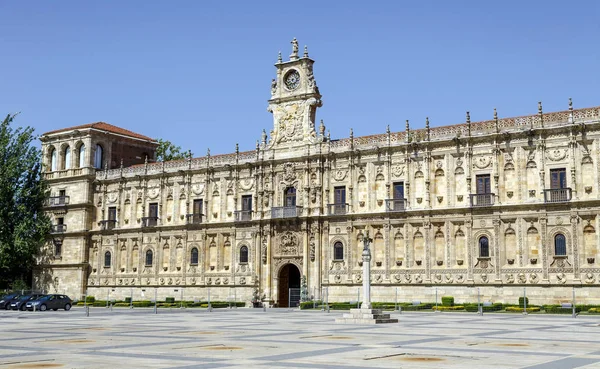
198, 72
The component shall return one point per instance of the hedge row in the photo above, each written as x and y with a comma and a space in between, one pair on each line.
516, 309
147, 303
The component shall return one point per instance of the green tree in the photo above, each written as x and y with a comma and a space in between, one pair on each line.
167, 151
24, 226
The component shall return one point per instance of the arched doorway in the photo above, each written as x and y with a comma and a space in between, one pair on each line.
289, 277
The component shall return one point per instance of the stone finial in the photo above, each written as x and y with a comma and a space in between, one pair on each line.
279, 58
570, 104
496, 120
571, 118
237, 148
322, 128
264, 137
541, 113
387, 129
257, 145
427, 129
469, 123
305, 51
208, 152
407, 131
351, 133
294, 54
407, 126
121, 163
329, 135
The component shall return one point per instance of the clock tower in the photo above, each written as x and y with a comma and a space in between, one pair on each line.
294, 101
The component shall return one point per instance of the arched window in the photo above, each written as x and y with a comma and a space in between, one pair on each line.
67, 158
484, 247
338, 251
149, 256
107, 259
560, 245
81, 156
243, 254
98, 157
290, 196
194, 256
53, 161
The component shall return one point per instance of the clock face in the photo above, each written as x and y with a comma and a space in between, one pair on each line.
292, 80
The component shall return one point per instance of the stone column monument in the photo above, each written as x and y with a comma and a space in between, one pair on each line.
366, 315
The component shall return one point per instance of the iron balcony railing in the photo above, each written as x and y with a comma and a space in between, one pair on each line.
337, 209
395, 205
195, 218
242, 215
59, 228
149, 221
482, 199
108, 224
557, 195
280, 212
58, 201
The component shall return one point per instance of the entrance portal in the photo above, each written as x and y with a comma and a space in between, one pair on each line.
289, 279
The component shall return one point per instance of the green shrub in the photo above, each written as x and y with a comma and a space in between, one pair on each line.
472, 308
557, 309
170, 300
121, 304
90, 299
588, 307
99, 303
522, 299
309, 304
143, 303
447, 301
594, 311
384, 305
448, 308
128, 300
515, 309
426, 306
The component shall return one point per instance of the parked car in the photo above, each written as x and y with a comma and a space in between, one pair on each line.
53, 302
6, 300
19, 304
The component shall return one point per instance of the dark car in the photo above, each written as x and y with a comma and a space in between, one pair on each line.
6, 300
19, 304
53, 302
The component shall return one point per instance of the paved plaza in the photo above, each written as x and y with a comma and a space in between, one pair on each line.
282, 338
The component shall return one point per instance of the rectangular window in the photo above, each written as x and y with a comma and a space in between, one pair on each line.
153, 210
558, 178
198, 206
483, 184
62, 193
112, 213
60, 221
398, 191
247, 203
339, 195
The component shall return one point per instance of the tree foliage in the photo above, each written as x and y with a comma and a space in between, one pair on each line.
167, 151
23, 224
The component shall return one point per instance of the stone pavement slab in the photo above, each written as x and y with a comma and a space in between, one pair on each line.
283, 338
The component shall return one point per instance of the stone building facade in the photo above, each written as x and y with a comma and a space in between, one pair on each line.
499, 205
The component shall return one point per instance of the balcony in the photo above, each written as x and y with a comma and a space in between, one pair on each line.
194, 218
281, 212
392, 205
57, 201
557, 195
108, 224
482, 199
242, 215
59, 228
337, 209
149, 221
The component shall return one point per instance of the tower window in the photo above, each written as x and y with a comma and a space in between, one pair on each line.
560, 245
484, 247
338, 251
243, 254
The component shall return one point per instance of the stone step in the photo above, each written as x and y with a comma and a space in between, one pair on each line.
365, 321
366, 316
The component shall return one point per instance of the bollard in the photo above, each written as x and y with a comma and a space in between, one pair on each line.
479, 307
87, 311
264, 308
111, 305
